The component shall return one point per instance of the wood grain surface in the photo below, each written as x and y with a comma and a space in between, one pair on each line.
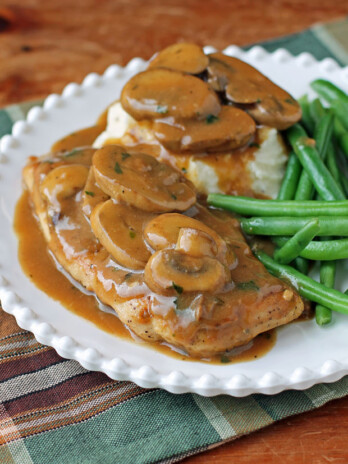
45, 44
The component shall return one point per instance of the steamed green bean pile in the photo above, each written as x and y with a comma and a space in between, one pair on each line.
309, 219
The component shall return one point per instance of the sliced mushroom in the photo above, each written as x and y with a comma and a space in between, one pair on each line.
280, 113
80, 138
232, 129
185, 57
243, 84
141, 181
81, 155
157, 92
119, 228
92, 194
196, 243
164, 232
63, 182
171, 272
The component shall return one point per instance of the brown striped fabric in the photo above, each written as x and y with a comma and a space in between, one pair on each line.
70, 394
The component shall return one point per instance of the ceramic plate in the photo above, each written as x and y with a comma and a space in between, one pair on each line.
304, 354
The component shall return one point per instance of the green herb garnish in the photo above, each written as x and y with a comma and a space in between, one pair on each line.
125, 155
177, 288
254, 144
291, 101
225, 359
250, 285
218, 301
211, 118
173, 196
91, 194
117, 168
132, 233
184, 169
162, 109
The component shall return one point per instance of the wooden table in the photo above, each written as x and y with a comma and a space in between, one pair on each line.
46, 44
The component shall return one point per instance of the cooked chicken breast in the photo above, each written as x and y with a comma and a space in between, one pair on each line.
204, 299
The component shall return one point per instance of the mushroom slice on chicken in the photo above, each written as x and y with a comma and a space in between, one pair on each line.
119, 228
169, 272
141, 181
165, 231
92, 194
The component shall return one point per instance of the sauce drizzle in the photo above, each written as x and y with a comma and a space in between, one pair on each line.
40, 267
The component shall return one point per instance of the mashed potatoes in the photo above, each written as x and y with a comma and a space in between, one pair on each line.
255, 171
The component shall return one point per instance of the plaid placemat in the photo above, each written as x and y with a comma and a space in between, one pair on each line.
54, 411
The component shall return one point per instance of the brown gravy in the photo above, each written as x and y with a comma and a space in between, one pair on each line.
37, 263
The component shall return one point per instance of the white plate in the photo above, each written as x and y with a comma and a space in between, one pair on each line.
304, 353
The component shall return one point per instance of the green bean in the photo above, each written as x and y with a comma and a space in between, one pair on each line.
306, 115
339, 129
341, 111
325, 250
343, 143
341, 136
331, 163
323, 314
301, 265
329, 226
322, 136
323, 133
251, 206
297, 243
320, 176
344, 183
305, 189
290, 180
329, 91
317, 110
307, 287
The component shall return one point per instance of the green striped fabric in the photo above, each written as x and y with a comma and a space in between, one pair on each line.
54, 411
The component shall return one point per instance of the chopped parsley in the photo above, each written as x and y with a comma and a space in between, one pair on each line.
128, 275
290, 100
173, 196
250, 285
125, 155
91, 194
254, 144
162, 109
132, 233
225, 359
184, 169
177, 288
211, 118
218, 301
117, 168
